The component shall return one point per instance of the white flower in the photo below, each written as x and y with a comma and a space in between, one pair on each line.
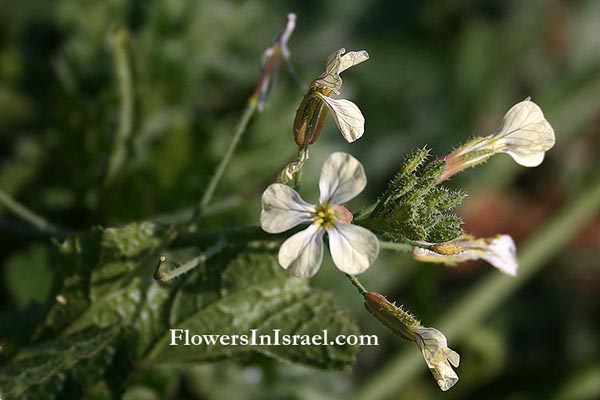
500, 251
313, 109
525, 136
437, 355
353, 248
431, 342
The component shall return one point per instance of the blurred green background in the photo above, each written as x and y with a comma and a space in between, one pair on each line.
440, 71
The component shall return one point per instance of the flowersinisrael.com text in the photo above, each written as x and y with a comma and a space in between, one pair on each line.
183, 337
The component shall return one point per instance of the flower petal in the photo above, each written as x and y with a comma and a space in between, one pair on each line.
351, 59
526, 134
283, 209
302, 253
353, 248
342, 179
347, 117
501, 252
338, 62
438, 356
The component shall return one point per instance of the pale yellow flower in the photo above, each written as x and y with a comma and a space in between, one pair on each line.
499, 251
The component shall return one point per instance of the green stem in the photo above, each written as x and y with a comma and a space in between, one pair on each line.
188, 265
395, 246
185, 214
302, 157
359, 286
126, 107
35, 220
489, 293
365, 212
218, 175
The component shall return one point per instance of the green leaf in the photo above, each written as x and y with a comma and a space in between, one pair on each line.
253, 292
19, 270
42, 371
108, 280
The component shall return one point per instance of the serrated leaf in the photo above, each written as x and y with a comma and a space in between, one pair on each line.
40, 372
108, 280
257, 294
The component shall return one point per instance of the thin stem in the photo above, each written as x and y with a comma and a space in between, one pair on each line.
126, 106
188, 265
301, 159
365, 212
359, 286
395, 246
35, 220
218, 175
490, 292
185, 214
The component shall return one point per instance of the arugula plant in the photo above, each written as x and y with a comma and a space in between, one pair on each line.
113, 314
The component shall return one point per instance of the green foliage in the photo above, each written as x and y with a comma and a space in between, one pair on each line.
414, 207
438, 73
253, 292
108, 294
42, 371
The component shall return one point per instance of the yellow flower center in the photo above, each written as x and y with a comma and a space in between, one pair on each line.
326, 215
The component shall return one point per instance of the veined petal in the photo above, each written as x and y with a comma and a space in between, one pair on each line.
525, 134
302, 253
283, 209
338, 62
500, 251
347, 117
342, 178
353, 248
330, 78
437, 355
351, 59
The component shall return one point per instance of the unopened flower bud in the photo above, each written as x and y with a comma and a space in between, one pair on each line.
395, 318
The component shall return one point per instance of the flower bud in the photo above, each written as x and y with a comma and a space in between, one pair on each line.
396, 319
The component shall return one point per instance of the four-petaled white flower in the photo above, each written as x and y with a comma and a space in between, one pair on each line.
438, 355
317, 101
500, 251
525, 135
353, 248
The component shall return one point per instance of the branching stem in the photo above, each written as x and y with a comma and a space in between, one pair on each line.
35, 220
